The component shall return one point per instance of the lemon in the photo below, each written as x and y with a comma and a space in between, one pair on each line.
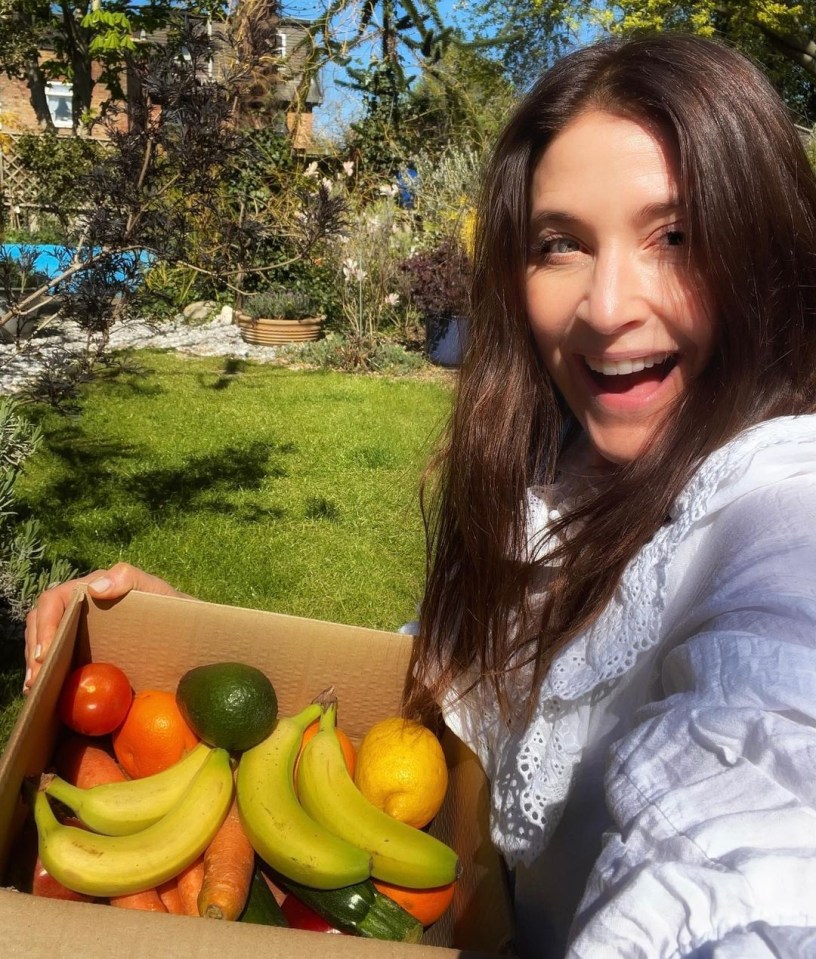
401, 769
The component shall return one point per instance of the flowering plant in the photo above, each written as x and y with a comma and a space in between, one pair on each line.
438, 280
282, 303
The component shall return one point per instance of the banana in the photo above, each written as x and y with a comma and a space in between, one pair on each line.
283, 835
400, 853
118, 809
118, 865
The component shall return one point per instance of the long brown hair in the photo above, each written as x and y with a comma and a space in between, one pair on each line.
750, 199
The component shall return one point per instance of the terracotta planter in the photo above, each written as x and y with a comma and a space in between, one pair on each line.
273, 332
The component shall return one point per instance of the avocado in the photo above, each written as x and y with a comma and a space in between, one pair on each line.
231, 705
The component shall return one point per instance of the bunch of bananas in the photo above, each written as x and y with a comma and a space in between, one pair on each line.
145, 831
322, 832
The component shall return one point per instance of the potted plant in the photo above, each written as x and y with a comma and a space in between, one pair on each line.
437, 280
279, 315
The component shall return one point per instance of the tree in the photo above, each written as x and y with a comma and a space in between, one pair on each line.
182, 187
83, 41
397, 41
463, 99
779, 34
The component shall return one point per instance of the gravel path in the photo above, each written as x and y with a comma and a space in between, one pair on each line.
216, 337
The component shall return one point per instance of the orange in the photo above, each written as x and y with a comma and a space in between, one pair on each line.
426, 905
153, 736
349, 752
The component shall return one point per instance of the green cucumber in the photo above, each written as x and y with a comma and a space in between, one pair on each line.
262, 907
360, 909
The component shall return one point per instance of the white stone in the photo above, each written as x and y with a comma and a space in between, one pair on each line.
214, 338
199, 310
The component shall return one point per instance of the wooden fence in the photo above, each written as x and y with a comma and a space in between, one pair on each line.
18, 189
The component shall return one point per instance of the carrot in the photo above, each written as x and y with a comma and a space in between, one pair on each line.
147, 901
229, 862
85, 763
190, 881
170, 897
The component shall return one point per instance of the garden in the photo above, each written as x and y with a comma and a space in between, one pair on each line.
304, 470
290, 484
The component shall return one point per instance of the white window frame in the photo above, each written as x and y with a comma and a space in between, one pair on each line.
57, 93
280, 44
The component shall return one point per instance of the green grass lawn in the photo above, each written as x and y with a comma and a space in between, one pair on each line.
243, 484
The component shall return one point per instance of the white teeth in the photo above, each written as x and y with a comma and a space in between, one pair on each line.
622, 367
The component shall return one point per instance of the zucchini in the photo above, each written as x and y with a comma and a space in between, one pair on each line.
360, 909
262, 907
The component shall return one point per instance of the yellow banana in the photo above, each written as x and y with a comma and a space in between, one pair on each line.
400, 854
117, 865
283, 835
118, 809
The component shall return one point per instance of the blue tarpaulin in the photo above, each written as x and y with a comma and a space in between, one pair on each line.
52, 259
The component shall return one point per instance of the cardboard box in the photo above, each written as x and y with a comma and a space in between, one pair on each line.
155, 639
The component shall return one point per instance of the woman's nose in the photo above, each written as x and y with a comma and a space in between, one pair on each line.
617, 292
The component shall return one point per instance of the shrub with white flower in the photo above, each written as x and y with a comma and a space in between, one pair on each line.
353, 272
377, 240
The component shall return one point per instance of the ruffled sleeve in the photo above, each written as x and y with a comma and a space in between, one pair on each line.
713, 792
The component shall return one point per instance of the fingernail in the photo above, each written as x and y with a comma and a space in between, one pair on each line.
38, 653
100, 585
27, 680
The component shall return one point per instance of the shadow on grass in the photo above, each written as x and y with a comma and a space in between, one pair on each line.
232, 367
318, 507
128, 497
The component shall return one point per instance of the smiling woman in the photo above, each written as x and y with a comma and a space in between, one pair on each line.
621, 605
620, 608
617, 317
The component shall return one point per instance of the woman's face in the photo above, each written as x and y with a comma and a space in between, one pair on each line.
616, 317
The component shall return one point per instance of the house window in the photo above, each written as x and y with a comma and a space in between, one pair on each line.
59, 96
280, 45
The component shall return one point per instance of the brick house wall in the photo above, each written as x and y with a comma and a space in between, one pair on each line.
17, 114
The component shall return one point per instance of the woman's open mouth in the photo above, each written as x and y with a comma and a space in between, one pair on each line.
639, 376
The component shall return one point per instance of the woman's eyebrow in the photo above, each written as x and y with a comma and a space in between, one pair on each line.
553, 218
560, 218
654, 211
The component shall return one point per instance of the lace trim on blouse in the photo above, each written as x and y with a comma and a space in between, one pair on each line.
531, 769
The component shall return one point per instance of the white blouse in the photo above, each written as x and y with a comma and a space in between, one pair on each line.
662, 803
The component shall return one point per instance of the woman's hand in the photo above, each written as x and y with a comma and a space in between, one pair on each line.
113, 583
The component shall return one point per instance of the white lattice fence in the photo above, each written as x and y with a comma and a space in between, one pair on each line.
18, 189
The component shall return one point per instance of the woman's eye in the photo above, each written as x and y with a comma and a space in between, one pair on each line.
675, 237
556, 245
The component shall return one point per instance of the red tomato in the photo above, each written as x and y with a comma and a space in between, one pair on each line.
95, 699
301, 916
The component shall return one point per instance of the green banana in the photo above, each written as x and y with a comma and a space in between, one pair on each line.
281, 832
400, 854
118, 865
118, 809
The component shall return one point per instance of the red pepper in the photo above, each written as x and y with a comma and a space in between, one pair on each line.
301, 916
